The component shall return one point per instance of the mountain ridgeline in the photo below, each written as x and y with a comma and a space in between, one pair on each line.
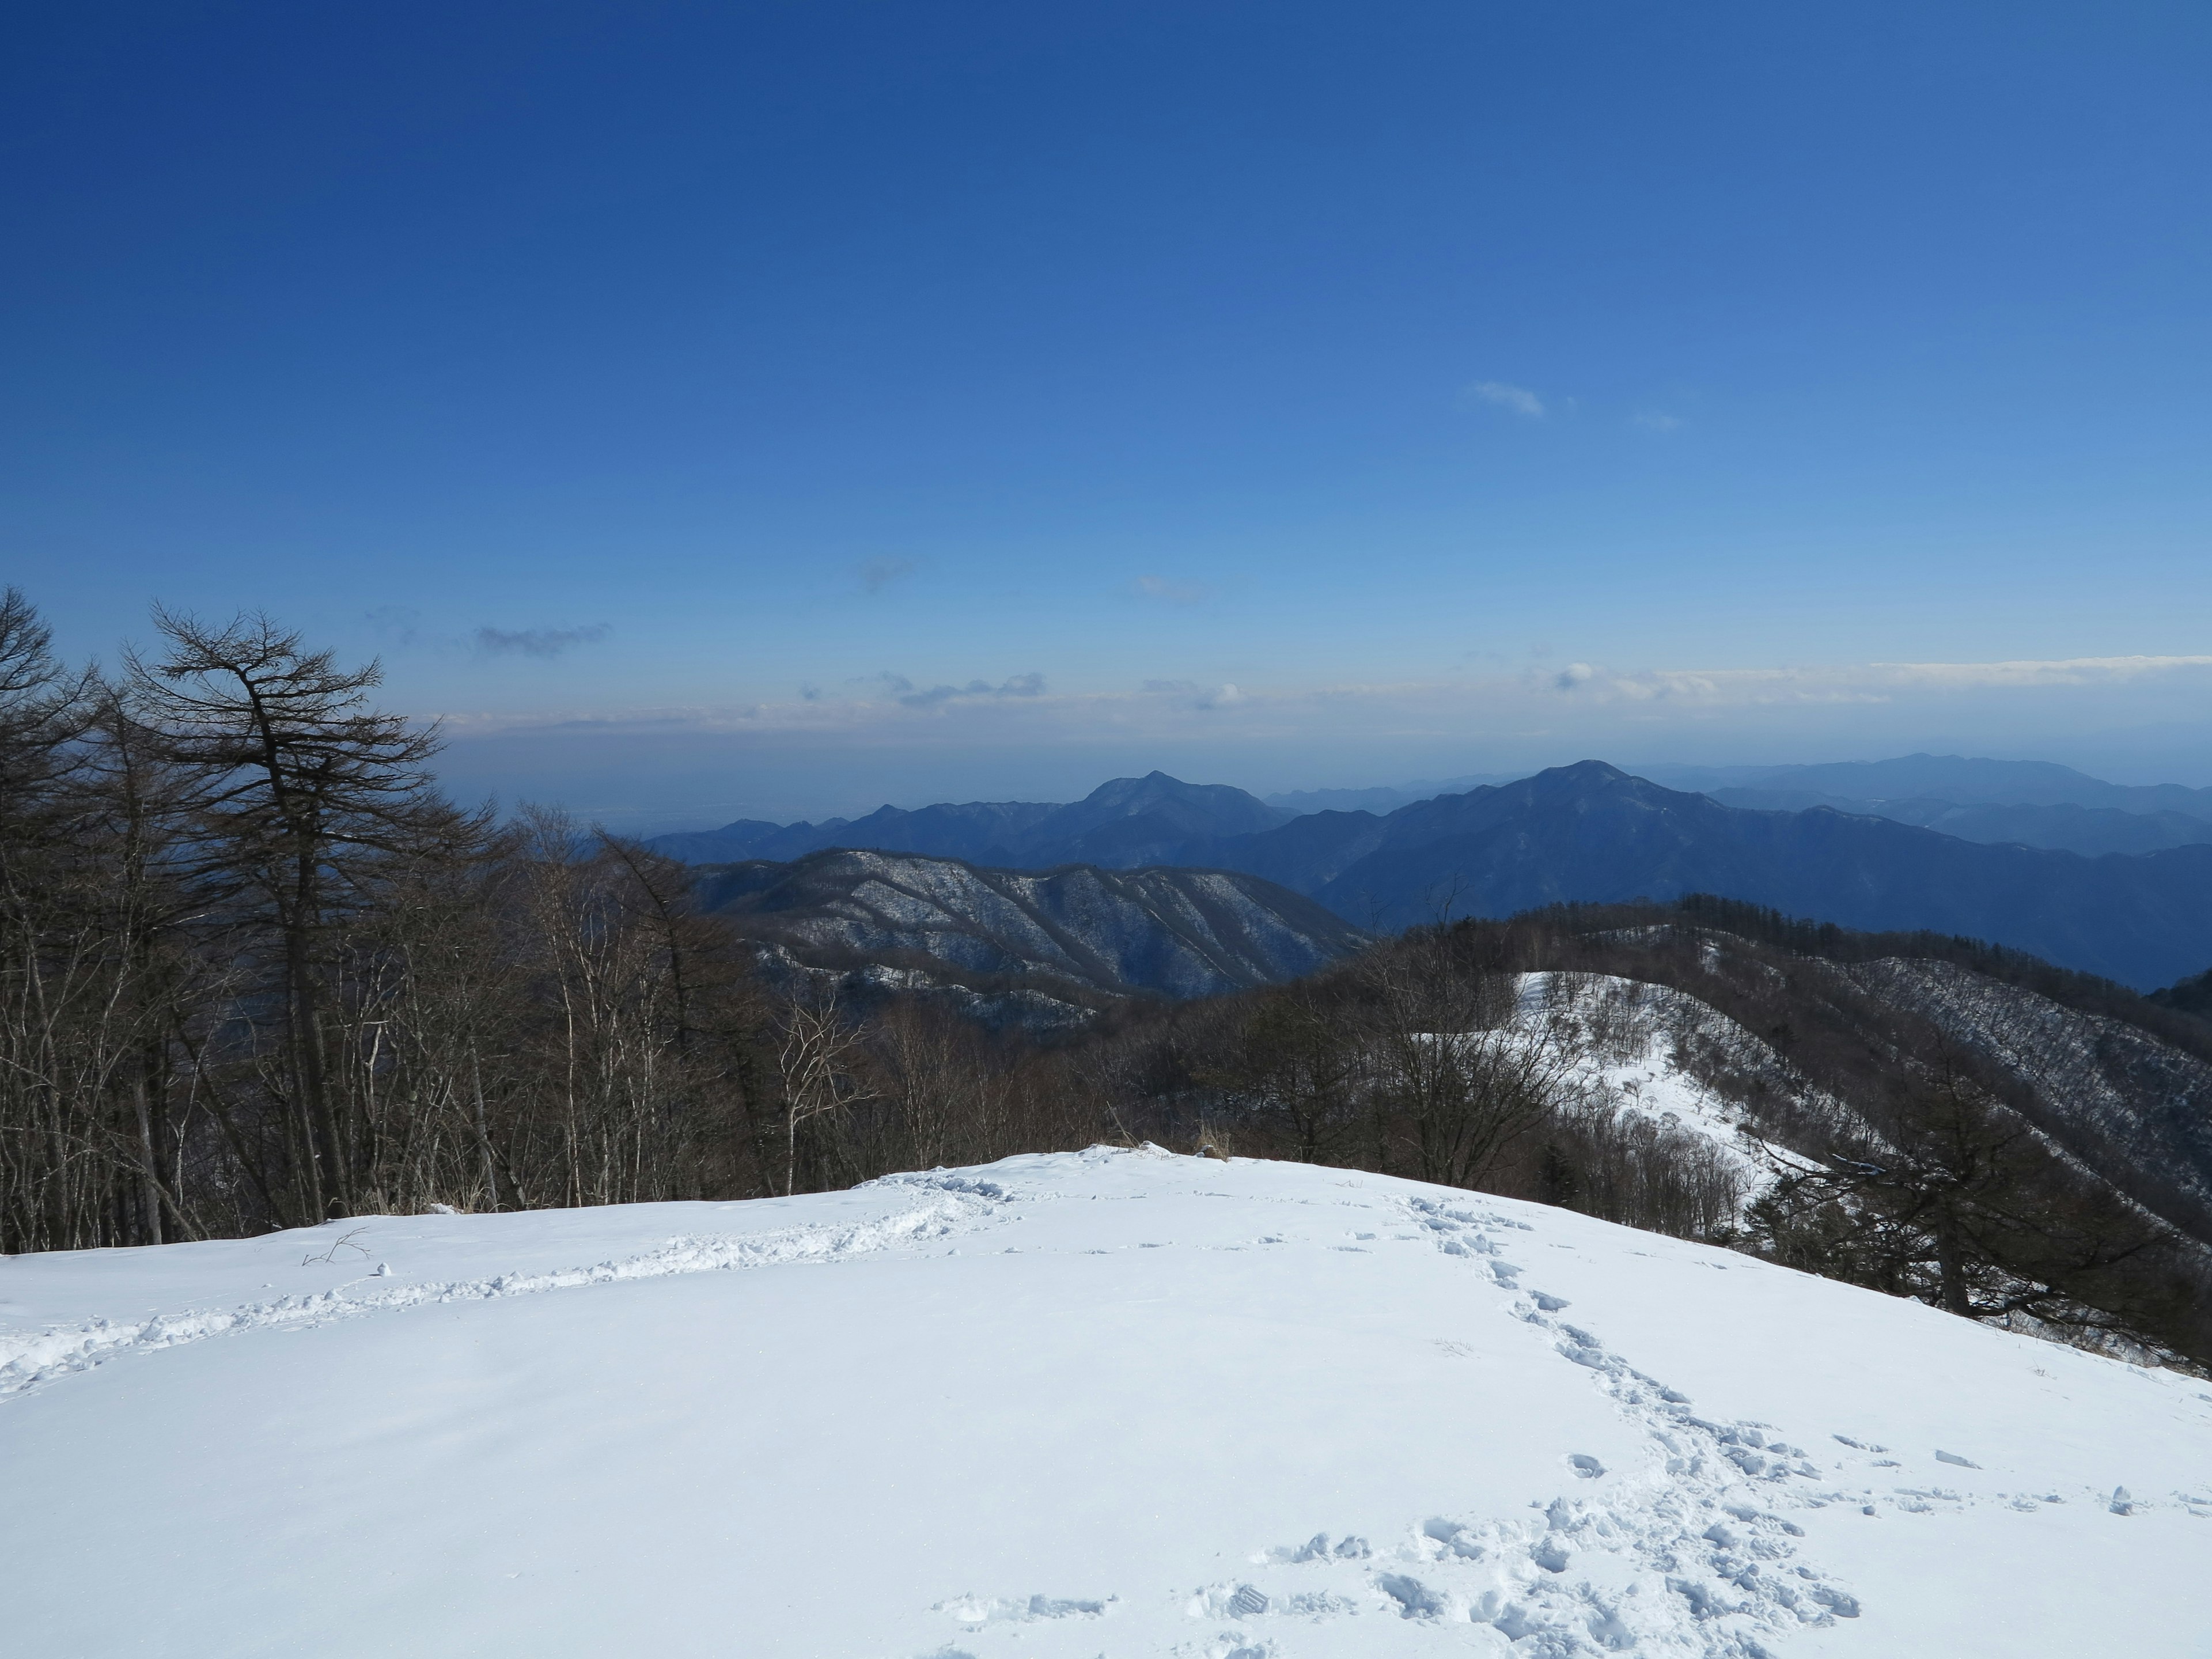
1957, 778
1592, 833
1121, 825
2035, 803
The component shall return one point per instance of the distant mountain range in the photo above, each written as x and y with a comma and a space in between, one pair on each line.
1124, 824
2139, 915
1383, 799
1959, 779
2062, 826
1590, 832
2035, 803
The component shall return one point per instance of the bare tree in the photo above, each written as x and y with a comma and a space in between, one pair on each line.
817, 1059
302, 795
1299, 1063
1450, 1062
1960, 1202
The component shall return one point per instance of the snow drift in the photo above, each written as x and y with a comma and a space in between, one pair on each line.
1110, 1403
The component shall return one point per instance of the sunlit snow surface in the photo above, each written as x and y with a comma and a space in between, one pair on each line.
1115, 1402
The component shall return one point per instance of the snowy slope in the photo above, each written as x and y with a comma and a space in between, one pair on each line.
1625, 1036
1108, 1403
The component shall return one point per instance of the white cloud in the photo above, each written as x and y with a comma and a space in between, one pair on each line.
1517, 398
1190, 694
1657, 419
1589, 707
2063, 671
1875, 682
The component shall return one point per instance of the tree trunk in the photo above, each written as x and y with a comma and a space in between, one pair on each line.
149, 1179
1951, 1273
327, 1156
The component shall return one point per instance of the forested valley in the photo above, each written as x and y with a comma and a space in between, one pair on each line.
260, 973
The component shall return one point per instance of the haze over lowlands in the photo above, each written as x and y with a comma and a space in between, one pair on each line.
993, 833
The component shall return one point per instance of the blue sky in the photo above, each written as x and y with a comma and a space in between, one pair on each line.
775, 409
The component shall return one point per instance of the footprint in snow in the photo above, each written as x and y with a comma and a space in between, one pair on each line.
974, 1611
1351, 1548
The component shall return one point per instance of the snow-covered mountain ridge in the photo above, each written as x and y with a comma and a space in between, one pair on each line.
1110, 1402
1626, 1039
1070, 939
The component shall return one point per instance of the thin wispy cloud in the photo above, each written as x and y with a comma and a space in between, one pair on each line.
1191, 695
909, 696
1875, 682
537, 642
402, 624
1656, 420
876, 574
1171, 592
1501, 394
2063, 671
1589, 705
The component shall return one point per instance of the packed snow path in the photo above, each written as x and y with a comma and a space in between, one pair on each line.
1109, 1403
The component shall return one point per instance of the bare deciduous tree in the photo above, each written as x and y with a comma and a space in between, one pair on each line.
817, 1059
1449, 1061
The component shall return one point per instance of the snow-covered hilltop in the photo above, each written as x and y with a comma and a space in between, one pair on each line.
1113, 1402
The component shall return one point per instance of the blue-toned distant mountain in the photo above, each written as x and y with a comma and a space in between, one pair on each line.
1962, 781
2062, 825
1386, 798
1590, 832
2035, 803
1122, 825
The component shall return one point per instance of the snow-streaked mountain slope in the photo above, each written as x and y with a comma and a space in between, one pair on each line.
2137, 1109
1114, 1402
1627, 1039
1172, 932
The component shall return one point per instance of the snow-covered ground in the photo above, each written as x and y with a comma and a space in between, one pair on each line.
1112, 1403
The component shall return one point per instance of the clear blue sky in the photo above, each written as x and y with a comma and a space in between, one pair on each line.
779, 408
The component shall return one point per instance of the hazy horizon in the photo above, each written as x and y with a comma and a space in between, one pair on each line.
603, 800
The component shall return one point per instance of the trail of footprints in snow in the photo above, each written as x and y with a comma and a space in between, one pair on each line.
950, 1205
1694, 1561
1688, 1558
